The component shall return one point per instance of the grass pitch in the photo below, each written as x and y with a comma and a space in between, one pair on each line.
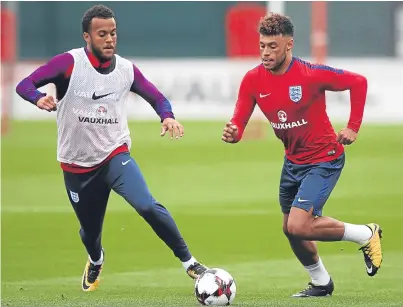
224, 200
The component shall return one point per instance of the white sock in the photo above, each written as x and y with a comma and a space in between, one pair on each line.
100, 261
188, 263
357, 233
318, 273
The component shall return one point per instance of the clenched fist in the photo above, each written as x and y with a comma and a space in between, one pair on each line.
230, 133
346, 136
47, 103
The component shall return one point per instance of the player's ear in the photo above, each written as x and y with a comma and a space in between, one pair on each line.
86, 37
290, 44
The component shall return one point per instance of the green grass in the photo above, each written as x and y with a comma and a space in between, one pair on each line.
224, 200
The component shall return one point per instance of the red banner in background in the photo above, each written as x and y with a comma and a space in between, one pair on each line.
241, 30
8, 56
8, 36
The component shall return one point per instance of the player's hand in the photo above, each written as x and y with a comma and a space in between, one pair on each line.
47, 103
174, 127
346, 136
230, 133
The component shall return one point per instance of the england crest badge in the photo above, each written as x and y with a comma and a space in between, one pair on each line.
74, 197
295, 93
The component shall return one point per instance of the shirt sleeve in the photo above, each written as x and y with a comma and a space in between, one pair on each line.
332, 79
51, 72
151, 94
245, 104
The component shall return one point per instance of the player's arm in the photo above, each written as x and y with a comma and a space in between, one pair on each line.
158, 102
244, 107
332, 79
51, 72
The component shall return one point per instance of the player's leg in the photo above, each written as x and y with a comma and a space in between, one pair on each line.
305, 251
127, 180
307, 223
88, 194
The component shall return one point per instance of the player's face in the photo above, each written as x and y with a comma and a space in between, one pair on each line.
102, 37
274, 49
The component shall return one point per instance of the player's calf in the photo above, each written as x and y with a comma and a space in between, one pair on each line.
305, 227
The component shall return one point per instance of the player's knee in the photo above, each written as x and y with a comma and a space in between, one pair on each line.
285, 230
285, 224
143, 203
296, 229
145, 208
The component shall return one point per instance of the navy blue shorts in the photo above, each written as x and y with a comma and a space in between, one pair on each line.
308, 185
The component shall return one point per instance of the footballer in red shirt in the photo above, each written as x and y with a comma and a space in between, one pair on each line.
291, 94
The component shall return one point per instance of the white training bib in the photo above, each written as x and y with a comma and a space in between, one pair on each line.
92, 116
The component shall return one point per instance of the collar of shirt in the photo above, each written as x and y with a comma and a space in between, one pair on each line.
95, 61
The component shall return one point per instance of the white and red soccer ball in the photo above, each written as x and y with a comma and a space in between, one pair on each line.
215, 287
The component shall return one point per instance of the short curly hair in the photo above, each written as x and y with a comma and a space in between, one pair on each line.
276, 24
97, 11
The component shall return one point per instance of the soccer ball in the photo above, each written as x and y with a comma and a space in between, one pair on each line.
215, 287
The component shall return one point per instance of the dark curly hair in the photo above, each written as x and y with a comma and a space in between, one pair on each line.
276, 24
97, 11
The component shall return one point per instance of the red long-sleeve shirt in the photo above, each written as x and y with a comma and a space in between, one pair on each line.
295, 105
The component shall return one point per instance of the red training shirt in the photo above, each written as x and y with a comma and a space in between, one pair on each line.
295, 105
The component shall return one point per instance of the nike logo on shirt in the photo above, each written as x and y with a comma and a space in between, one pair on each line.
264, 95
95, 97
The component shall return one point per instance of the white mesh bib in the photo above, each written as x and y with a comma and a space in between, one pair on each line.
91, 117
